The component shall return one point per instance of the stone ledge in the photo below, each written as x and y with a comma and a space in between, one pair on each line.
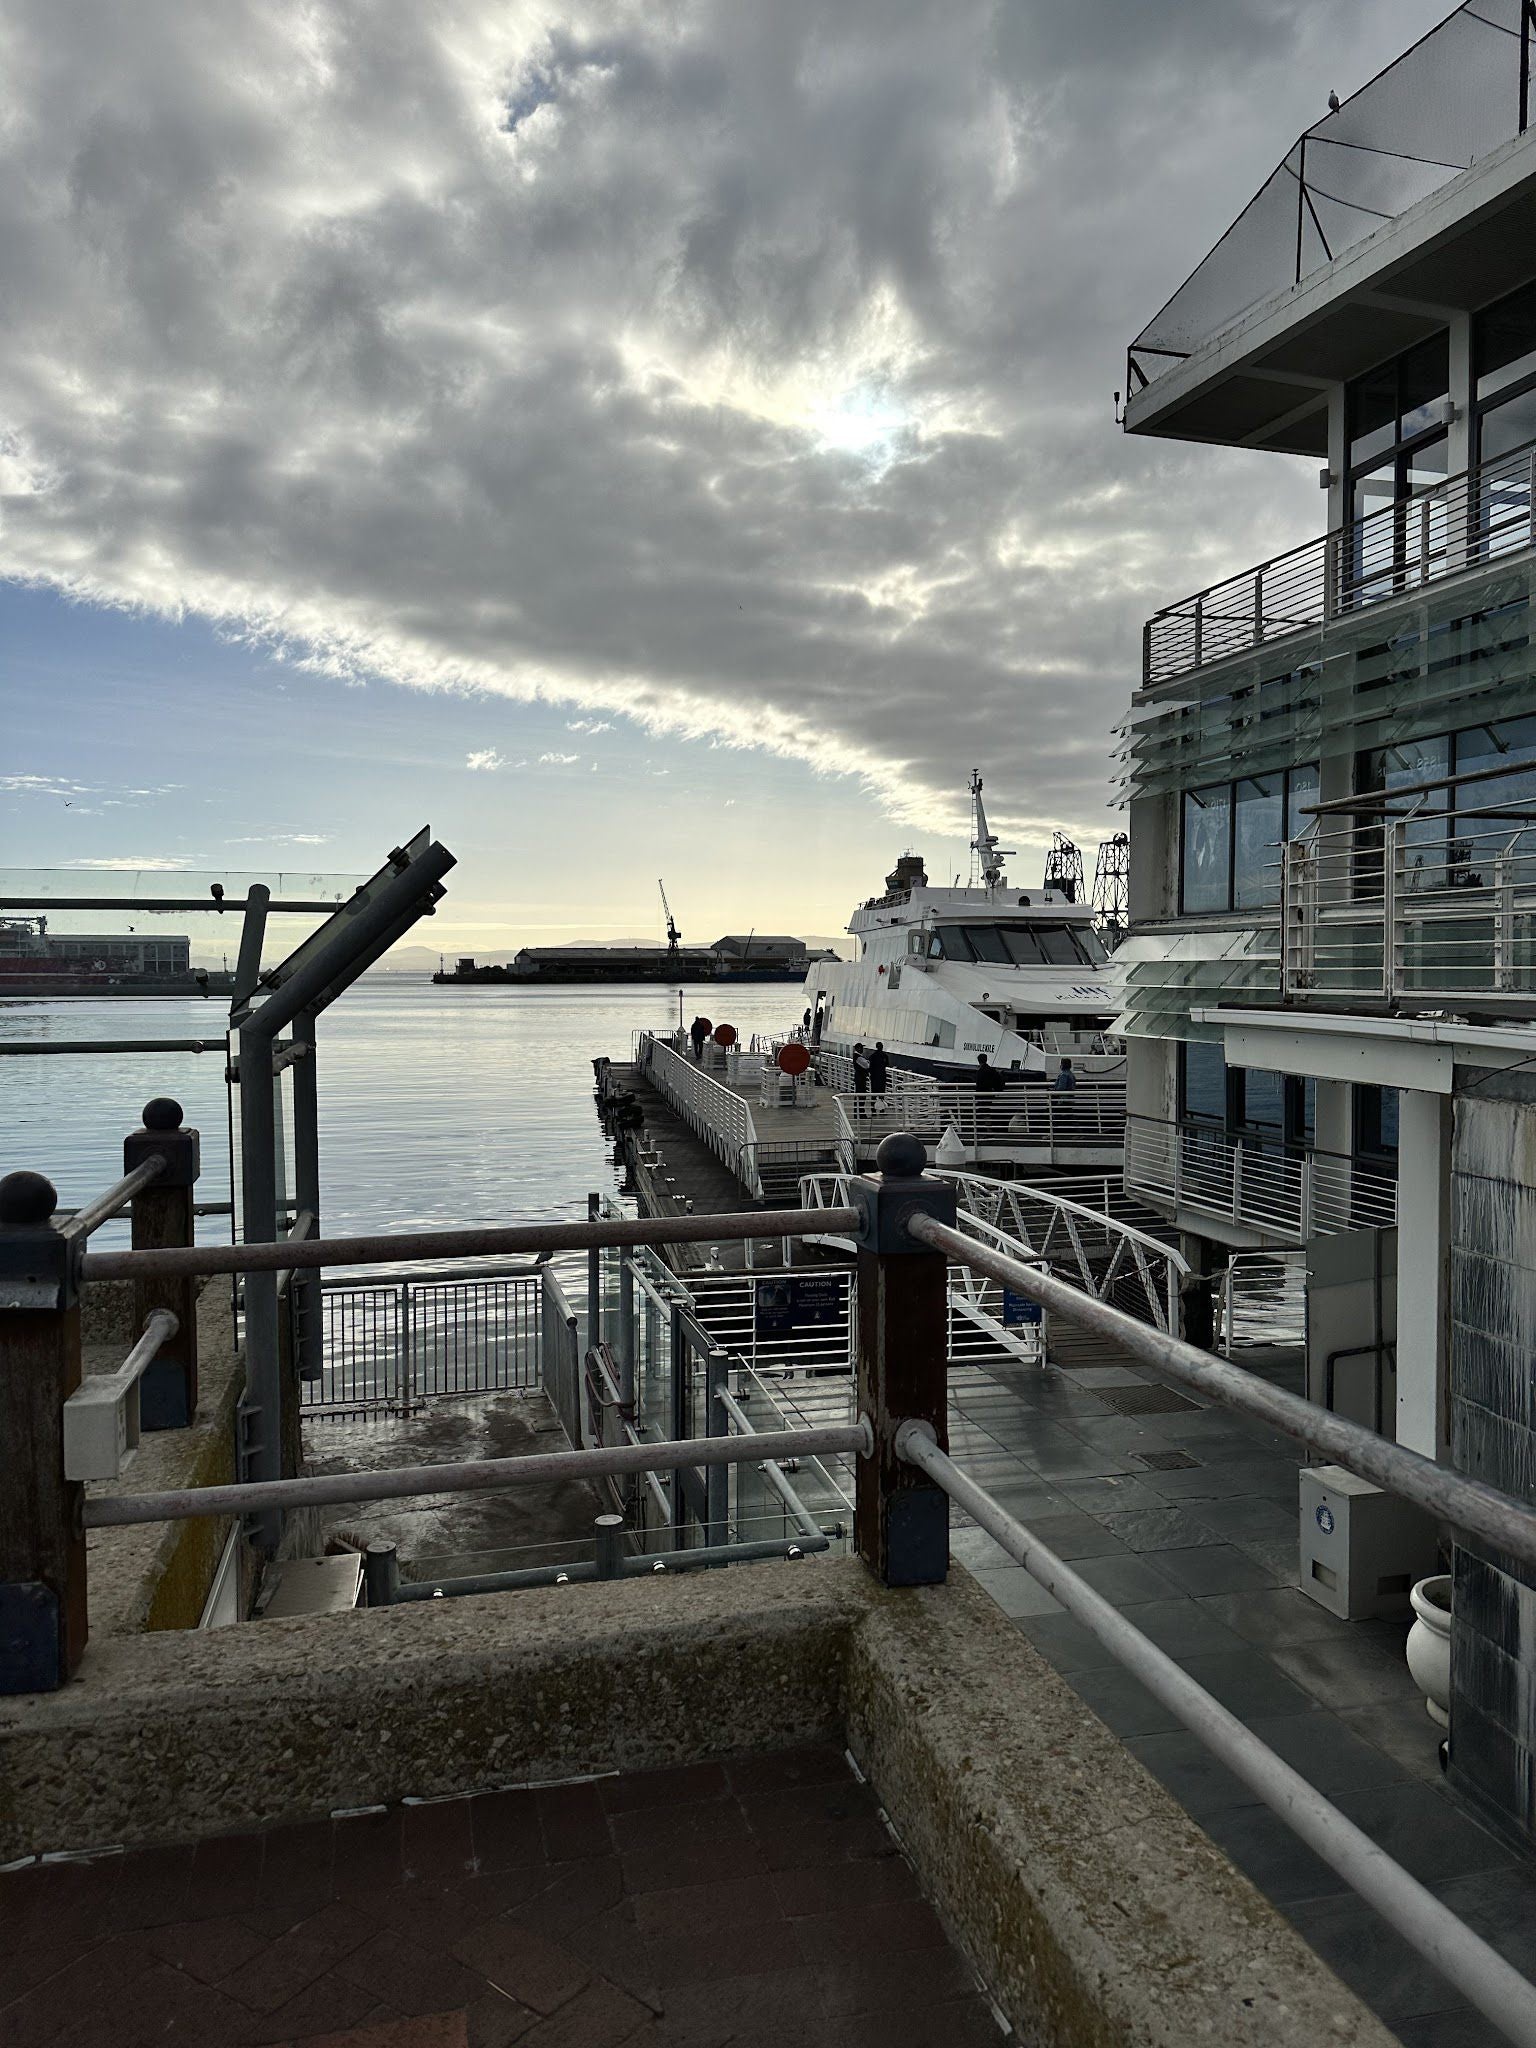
1094, 1908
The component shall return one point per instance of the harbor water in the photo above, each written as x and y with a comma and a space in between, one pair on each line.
438, 1106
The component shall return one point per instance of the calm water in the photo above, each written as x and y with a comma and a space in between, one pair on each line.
437, 1105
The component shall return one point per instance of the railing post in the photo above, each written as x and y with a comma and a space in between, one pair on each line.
1391, 967
1504, 921
609, 1532
162, 1216
1199, 631
902, 1518
407, 1350
594, 1280
1237, 1180
381, 1573
717, 1478
42, 1526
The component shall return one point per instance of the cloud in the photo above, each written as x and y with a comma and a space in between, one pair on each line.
282, 839
742, 371
558, 760
486, 758
589, 725
128, 862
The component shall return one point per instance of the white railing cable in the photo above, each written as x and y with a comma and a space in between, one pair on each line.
1448, 1944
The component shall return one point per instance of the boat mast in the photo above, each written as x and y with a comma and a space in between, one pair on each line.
987, 856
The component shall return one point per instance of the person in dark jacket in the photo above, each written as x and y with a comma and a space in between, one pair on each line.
1065, 1078
698, 1031
860, 1069
879, 1067
988, 1079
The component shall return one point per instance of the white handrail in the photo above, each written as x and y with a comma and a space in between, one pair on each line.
713, 1112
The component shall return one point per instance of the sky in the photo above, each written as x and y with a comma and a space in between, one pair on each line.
670, 440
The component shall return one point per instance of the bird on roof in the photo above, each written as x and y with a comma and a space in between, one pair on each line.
1333, 103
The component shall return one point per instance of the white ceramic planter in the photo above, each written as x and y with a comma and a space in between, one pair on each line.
1429, 1645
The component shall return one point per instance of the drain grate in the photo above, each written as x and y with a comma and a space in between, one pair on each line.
1166, 1461
1144, 1400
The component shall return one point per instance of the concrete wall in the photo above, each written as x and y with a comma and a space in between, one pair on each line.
1094, 1909
1493, 1436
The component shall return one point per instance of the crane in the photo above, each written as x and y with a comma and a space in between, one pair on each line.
673, 934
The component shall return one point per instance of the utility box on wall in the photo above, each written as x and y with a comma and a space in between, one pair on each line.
1361, 1549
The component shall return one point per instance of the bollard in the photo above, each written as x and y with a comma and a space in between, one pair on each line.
381, 1572
610, 1545
162, 1216
902, 1518
42, 1526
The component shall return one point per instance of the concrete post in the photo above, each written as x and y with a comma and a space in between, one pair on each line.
162, 1216
902, 1518
1423, 1267
42, 1527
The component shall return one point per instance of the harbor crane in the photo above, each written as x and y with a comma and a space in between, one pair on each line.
1064, 868
673, 934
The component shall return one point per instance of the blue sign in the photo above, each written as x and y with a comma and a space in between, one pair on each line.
806, 1301
1325, 1519
1019, 1311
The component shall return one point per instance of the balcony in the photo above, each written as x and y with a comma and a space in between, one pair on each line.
1468, 522
1285, 1197
1429, 907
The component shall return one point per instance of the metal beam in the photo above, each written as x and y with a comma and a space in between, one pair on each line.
491, 1242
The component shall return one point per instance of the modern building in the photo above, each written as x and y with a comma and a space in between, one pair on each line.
1331, 773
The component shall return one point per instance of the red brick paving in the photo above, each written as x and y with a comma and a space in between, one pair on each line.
735, 1905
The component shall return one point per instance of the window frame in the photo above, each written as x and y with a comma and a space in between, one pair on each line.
1312, 769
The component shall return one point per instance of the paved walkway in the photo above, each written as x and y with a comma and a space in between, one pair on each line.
1185, 1518
746, 1905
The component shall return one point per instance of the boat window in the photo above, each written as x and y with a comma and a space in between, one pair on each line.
940, 1032
1023, 943
950, 942
1057, 947
1090, 942
988, 944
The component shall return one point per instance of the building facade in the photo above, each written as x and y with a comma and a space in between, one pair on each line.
1331, 776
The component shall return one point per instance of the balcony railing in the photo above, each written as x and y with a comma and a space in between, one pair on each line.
1469, 520
1285, 1196
1431, 905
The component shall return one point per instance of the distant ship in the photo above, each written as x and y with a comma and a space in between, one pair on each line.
37, 962
738, 957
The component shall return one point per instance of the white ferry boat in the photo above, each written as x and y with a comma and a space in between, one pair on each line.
945, 975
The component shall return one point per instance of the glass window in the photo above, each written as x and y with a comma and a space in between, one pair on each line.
1202, 1083
949, 942
1256, 839
1372, 413
1263, 1102
1056, 943
1424, 385
1504, 341
987, 944
1376, 1122
1207, 848
1023, 945
1300, 790
1091, 943
1504, 499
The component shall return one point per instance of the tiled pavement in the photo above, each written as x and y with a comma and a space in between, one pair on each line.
749, 1904
1203, 1559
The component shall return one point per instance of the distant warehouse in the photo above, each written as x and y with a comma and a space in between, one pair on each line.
739, 956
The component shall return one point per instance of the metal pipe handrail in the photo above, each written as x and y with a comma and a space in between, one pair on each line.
1447, 1943
160, 1326
475, 1475
800, 1514
644, 1564
115, 1200
605, 1234
1448, 1496
432, 1277
41, 1047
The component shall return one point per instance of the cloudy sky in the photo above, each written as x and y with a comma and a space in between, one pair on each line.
671, 438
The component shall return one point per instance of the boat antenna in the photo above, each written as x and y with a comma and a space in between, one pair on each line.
673, 934
987, 856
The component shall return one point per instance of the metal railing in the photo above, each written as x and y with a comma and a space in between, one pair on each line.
1466, 522
1107, 1258
1433, 905
1262, 1300
1031, 1117
713, 1112
1255, 1184
390, 1345
896, 1215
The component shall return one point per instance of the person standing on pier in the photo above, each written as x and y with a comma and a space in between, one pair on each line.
988, 1079
860, 1073
1065, 1078
879, 1066
698, 1031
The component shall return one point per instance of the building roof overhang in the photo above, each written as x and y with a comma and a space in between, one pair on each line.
1263, 380
1383, 1052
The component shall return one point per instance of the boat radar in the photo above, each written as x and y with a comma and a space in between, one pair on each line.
989, 856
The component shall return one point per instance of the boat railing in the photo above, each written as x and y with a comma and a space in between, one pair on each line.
715, 1114
909, 1226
